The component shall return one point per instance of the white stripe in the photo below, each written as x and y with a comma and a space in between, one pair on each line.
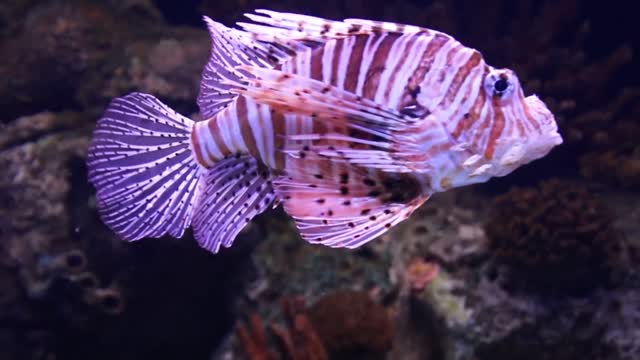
521, 116
206, 141
343, 63
484, 138
254, 124
508, 113
327, 61
224, 125
267, 130
430, 89
367, 58
393, 57
457, 109
307, 122
460, 59
290, 120
414, 58
236, 133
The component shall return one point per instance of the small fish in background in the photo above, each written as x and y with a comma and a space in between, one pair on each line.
350, 125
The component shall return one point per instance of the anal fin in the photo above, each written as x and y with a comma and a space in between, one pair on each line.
232, 193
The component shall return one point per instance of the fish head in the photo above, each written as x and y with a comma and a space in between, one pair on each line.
507, 130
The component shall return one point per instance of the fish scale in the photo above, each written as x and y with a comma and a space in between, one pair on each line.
350, 125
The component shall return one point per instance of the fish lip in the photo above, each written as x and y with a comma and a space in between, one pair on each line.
556, 139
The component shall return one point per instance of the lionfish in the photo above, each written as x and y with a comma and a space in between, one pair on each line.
350, 125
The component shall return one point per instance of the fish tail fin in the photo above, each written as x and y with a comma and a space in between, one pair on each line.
141, 163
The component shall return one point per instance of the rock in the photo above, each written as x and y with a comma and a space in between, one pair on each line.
83, 53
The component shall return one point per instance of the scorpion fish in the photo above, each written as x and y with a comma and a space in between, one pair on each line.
349, 125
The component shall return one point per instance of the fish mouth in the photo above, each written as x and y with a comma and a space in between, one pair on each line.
543, 116
556, 139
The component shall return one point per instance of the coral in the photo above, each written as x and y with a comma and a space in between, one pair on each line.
340, 325
363, 327
615, 156
254, 339
298, 341
557, 238
301, 341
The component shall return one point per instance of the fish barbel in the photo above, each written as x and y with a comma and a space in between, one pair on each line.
350, 125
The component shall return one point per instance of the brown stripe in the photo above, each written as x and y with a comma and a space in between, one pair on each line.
279, 133
316, 63
335, 62
372, 79
443, 72
519, 125
195, 141
530, 118
496, 129
214, 127
474, 114
459, 77
428, 57
404, 57
355, 62
245, 128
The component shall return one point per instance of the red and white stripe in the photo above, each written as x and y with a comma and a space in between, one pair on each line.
381, 66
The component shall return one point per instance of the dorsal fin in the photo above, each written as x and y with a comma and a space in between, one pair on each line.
280, 39
302, 27
231, 48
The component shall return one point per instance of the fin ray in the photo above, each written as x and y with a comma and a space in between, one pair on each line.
341, 205
231, 48
233, 192
397, 144
140, 163
291, 26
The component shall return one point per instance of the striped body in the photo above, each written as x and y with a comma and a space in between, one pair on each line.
385, 68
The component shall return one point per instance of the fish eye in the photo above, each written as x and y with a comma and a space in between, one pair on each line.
499, 84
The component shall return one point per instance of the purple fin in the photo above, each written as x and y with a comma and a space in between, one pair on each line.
233, 192
231, 48
141, 164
